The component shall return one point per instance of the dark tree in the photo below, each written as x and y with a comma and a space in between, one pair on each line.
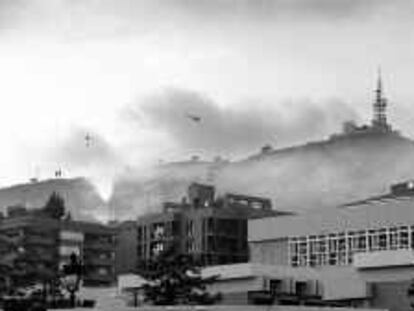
55, 206
8, 256
23, 266
176, 280
410, 294
73, 269
29, 269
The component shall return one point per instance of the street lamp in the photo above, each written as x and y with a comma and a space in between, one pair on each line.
72, 274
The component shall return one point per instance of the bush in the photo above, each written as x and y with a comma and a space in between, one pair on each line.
88, 303
16, 304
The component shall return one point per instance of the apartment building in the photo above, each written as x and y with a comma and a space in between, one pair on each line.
209, 228
358, 255
47, 243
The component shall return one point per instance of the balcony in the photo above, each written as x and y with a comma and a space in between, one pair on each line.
39, 240
96, 261
96, 278
99, 246
388, 258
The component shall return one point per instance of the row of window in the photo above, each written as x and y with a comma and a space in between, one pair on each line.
227, 227
157, 230
338, 248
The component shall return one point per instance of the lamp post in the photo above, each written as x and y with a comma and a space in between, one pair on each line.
72, 274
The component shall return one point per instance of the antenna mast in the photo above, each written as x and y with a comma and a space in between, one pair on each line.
379, 119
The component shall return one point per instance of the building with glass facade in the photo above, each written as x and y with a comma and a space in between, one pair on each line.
368, 244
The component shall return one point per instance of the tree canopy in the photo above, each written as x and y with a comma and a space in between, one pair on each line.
9, 253
55, 206
176, 280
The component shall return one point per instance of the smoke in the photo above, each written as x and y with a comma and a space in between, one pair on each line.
312, 176
309, 176
271, 9
192, 121
86, 153
85, 147
139, 191
324, 174
196, 122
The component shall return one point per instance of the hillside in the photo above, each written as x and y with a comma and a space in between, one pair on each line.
326, 173
319, 174
315, 175
80, 196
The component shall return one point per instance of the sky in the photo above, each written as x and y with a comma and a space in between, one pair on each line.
130, 73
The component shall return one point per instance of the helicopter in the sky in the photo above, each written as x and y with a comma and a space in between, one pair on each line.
193, 117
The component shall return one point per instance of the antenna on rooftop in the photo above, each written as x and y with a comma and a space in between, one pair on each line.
379, 118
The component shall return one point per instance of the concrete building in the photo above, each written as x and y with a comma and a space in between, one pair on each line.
358, 255
125, 247
49, 243
213, 230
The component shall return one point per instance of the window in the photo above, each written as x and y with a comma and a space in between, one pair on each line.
338, 248
140, 234
403, 237
158, 231
394, 240
211, 244
382, 239
157, 248
333, 243
190, 228
190, 246
275, 286
103, 271
373, 241
332, 259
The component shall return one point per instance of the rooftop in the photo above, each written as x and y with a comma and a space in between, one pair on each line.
393, 209
201, 200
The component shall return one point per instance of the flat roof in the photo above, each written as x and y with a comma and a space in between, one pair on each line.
395, 211
252, 270
45, 222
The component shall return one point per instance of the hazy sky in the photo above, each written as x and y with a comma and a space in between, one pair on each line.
128, 72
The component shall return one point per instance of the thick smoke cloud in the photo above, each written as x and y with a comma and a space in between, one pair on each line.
241, 128
95, 159
317, 175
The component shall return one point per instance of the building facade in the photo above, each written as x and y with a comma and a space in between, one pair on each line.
367, 245
47, 244
212, 230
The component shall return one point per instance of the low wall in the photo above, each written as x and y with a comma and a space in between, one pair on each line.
238, 308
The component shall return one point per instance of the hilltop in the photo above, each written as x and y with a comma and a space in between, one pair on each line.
81, 198
326, 173
321, 174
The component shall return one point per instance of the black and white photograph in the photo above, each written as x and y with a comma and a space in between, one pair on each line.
207, 155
